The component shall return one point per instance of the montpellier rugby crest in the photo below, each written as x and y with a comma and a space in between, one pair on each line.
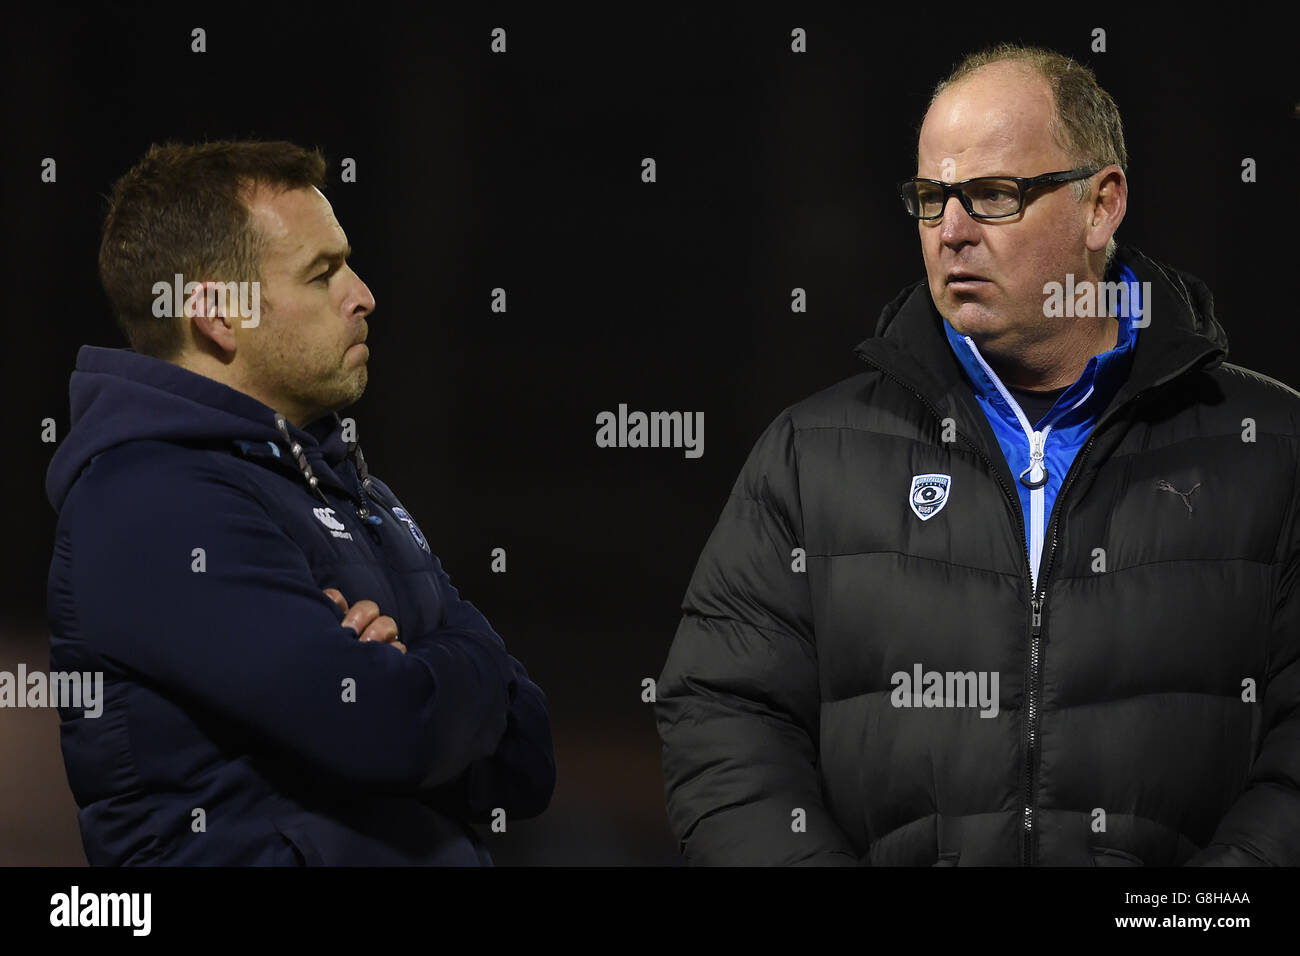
929, 494
402, 515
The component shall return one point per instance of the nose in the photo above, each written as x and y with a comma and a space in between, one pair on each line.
363, 301
957, 227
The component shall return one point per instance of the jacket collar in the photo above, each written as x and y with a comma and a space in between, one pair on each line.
911, 345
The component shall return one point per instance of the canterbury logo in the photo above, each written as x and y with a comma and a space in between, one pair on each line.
326, 516
1185, 495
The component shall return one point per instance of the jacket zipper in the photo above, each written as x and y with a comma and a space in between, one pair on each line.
1035, 656
1038, 594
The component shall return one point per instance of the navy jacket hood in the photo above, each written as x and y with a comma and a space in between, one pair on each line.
119, 395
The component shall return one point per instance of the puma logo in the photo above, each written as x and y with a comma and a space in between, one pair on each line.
1185, 495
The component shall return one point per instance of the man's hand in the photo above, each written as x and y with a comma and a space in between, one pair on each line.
364, 618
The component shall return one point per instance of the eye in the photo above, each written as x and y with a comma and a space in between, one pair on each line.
324, 276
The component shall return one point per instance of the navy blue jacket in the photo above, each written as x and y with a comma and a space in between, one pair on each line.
197, 530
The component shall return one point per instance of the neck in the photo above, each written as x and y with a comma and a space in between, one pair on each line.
226, 374
1055, 364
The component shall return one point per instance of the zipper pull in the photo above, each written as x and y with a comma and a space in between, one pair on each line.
1037, 471
1037, 605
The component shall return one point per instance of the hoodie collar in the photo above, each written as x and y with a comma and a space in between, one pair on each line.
119, 395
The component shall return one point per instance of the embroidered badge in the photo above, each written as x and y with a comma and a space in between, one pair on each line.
402, 515
928, 495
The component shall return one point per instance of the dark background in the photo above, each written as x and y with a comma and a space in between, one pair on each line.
522, 170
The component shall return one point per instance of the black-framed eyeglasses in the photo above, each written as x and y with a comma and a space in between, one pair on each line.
986, 197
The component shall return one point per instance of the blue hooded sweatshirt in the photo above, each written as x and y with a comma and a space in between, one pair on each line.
241, 723
1040, 454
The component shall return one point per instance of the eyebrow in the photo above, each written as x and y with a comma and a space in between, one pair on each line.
321, 258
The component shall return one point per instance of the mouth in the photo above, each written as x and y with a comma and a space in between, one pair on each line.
960, 281
361, 347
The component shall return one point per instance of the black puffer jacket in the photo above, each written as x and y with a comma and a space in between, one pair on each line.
1153, 715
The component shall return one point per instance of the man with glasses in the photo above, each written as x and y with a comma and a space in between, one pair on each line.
1008, 596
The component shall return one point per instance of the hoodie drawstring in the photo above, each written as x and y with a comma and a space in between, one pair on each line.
299, 456
367, 483
304, 466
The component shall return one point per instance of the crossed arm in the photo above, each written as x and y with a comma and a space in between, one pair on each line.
254, 639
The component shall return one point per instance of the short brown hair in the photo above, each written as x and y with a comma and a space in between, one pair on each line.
181, 209
1085, 121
